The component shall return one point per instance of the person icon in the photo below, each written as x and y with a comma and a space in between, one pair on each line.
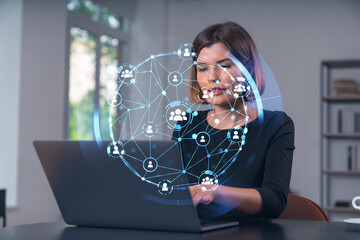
202, 139
187, 52
184, 118
126, 74
116, 150
175, 78
172, 114
114, 100
236, 135
150, 165
205, 94
164, 187
206, 181
149, 129
243, 88
178, 116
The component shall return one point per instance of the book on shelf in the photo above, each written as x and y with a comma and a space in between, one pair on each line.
353, 157
348, 121
345, 86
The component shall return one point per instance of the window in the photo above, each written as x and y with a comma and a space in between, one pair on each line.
98, 42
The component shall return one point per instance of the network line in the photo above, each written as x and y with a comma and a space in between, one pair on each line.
153, 104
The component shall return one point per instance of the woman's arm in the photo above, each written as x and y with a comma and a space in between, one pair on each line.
268, 200
246, 200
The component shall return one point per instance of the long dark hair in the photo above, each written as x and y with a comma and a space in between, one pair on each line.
239, 43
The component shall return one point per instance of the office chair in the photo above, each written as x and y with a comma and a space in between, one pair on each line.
3, 206
300, 208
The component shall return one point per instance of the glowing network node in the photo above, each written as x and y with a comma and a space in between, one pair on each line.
240, 88
127, 74
115, 149
149, 129
175, 78
114, 99
150, 164
208, 181
202, 139
176, 112
165, 187
235, 135
186, 51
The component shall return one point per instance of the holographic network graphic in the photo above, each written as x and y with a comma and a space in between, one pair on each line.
151, 102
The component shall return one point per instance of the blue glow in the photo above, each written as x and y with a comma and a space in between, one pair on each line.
97, 127
175, 103
150, 93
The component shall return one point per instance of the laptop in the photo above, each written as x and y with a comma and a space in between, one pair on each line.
93, 189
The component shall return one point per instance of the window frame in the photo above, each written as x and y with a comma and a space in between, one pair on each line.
97, 28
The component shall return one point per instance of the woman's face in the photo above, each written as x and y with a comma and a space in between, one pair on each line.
215, 72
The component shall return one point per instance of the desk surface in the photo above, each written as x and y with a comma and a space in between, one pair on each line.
275, 229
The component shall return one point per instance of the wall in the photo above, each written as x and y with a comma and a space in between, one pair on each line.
10, 35
41, 110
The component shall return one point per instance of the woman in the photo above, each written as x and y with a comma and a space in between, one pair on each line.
261, 173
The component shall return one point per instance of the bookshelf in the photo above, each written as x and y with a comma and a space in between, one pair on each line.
341, 209
340, 180
342, 172
354, 135
343, 98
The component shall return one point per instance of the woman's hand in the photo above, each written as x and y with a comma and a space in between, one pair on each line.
200, 196
246, 200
